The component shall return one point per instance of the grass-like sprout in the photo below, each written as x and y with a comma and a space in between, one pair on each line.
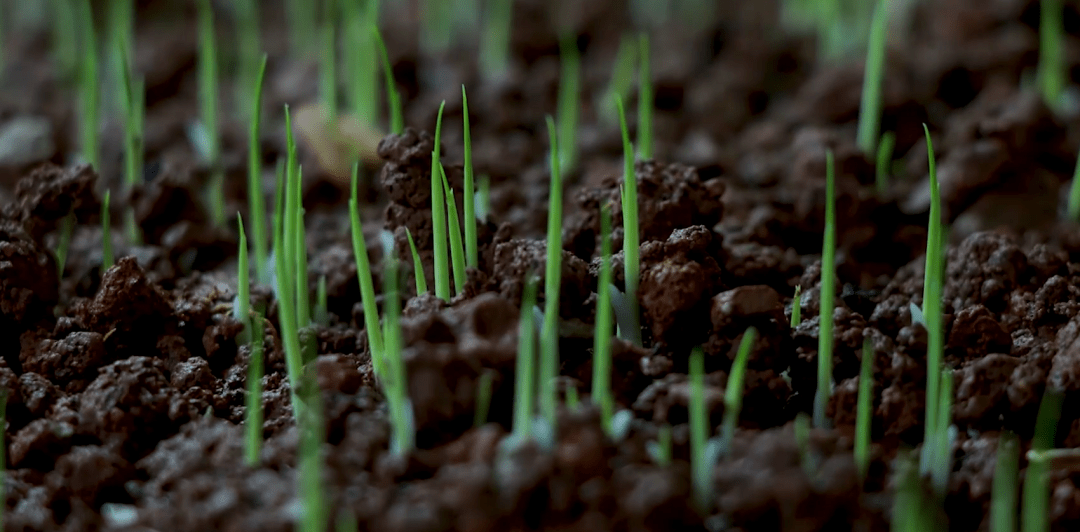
631, 238
660, 450
941, 464
569, 100
106, 234
134, 109
253, 419
395, 384
63, 244
255, 190
328, 63
733, 394
242, 306
247, 16
1074, 194
700, 466
910, 511
1052, 70
418, 265
873, 72
1034, 514
472, 256
457, 249
883, 162
1003, 498
932, 307
286, 275
436, 28
209, 141
796, 307
89, 89
495, 38
360, 57
645, 100
65, 38
622, 78
549, 336
363, 275
303, 24
483, 398
438, 219
828, 273
800, 429
524, 387
393, 97
483, 198
601, 377
864, 409
299, 249
322, 315
315, 512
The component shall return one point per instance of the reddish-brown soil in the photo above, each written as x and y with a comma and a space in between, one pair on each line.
126, 387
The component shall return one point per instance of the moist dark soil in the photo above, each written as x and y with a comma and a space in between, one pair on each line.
126, 387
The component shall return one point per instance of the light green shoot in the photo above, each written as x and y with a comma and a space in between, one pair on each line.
208, 92
393, 97
569, 100
864, 409
495, 38
88, 87
1052, 71
524, 388
328, 65
700, 469
549, 337
733, 394
483, 198
255, 191
942, 461
931, 308
436, 30
483, 398
1074, 194
363, 274
469, 199
303, 22
801, 429
601, 378
631, 238
828, 272
573, 400
134, 104
360, 57
322, 316
457, 251
873, 72
645, 101
1003, 498
796, 307
248, 48
312, 433
395, 383
67, 228
106, 234
290, 336
303, 298
1034, 514
438, 219
883, 162
622, 78
253, 423
662, 456
418, 265
65, 35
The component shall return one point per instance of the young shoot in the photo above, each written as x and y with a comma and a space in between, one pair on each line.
569, 100
418, 265
864, 409
941, 463
242, 306
733, 394
393, 97
483, 398
700, 467
828, 273
660, 450
134, 109
601, 378
631, 263
495, 38
932, 308
328, 65
1053, 73
106, 235
457, 251
303, 24
524, 387
256, 202
883, 162
67, 228
208, 139
622, 79
248, 50
796, 307
438, 219
645, 101
312, 433
1074, 195
1035, 507
363, 275
89, 88
360, 56
472, 257
253, 422
395, 383
1004, 497
873, 73
549, 337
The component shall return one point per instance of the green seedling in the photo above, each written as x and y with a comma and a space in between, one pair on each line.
208, 140
279, 215
1003, 498
911, 511
457, 250
395, 383
66, 38
800, 428
483, 199
873, 74
346, 522
622, 79
134, 110
702, 458
1074, 195
322, 316
796, 307
645, 101
631, 262
312, 434
89, 90
469, 196
247, 17
360, 57
438, 219
569, 100
290, 336
601, 378
328, 65
303, 24
932, 307
660, 450
106, 235
549, 337
255, 194
524, 388
941, 463
733, 394
864, 409
828, 273
363, 274
483, 398
295, 239
67, 228
253, 423
436, 29
884, 162
495, 38
418, 266
1053, 73
393, 97
573, 400
1035, 510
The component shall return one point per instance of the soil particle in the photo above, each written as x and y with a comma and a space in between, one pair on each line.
983, 270
517, 259
71, 362
976, 332
754, 263
678, 277
131, 406
129, 310
28, 284
981, 390
50, 193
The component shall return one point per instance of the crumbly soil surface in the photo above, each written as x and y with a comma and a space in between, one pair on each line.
126, 387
